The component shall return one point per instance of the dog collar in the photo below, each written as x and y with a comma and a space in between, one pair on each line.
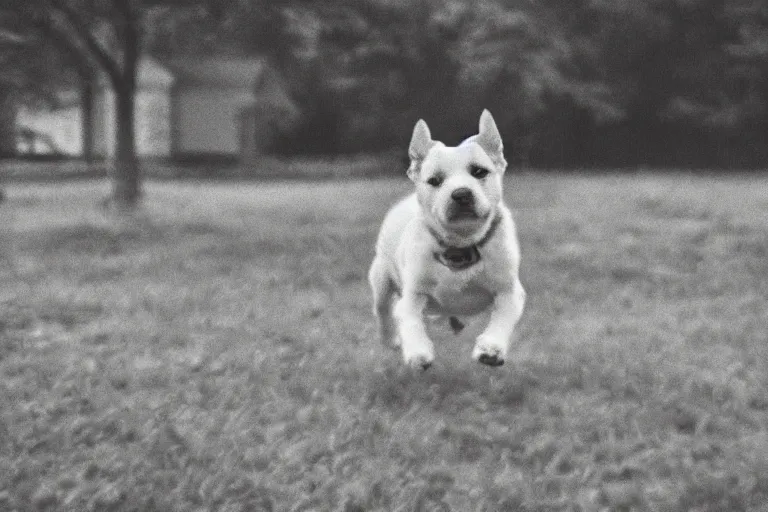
460, 258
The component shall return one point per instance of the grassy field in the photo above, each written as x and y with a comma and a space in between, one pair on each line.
215, 353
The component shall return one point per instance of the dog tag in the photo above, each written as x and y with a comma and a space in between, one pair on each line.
458, 258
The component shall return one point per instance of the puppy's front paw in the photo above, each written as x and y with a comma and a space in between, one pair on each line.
418, 358
489, 352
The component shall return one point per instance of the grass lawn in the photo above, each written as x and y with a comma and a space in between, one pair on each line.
215, 353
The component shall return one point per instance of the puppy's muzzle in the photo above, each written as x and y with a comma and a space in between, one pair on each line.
463, 196
462, 206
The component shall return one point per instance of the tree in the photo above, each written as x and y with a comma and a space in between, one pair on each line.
36, 62
9, 85
669, 77
87, 30
385, 63
107, 36
673, 70
373, 67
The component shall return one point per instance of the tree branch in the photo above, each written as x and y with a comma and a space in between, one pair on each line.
123, 7
129, 37
99, 53
69, 48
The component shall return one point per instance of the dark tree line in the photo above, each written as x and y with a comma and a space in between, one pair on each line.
570, 82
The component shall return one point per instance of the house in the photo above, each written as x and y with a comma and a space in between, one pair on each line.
185, 107
51, 130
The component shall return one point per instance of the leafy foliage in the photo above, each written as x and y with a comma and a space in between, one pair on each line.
557, 73
578, 82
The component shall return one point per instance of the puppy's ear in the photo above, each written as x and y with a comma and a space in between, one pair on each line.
421, 143
488, 135
489, 139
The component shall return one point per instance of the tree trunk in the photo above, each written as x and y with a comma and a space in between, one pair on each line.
126, 178
7, 122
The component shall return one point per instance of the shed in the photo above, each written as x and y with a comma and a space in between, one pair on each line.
188, 106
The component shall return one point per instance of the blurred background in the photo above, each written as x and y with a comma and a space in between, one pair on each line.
213, 350
571, 83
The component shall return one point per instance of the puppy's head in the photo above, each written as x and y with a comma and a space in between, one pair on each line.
459, 188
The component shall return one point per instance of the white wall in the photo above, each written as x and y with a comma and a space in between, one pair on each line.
153, 123
104, 123
152, 117
63, 126
207, 120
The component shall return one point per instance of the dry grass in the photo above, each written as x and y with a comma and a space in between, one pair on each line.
215, 353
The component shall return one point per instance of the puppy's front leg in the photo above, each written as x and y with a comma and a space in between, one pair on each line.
493, 344
418, 351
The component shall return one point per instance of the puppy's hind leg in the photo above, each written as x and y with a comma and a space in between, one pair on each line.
383, 294
456, 325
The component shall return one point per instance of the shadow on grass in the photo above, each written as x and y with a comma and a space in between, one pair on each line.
91, 239
446, 388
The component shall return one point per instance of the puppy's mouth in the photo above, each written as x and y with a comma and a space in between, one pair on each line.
462, 214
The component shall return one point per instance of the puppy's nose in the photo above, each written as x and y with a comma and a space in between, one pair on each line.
462, 195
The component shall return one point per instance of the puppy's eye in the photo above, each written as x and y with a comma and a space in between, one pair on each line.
479, 172
435, 181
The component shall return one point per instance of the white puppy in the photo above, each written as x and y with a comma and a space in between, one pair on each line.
449, 249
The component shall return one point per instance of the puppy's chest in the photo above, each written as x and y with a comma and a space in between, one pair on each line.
460, 293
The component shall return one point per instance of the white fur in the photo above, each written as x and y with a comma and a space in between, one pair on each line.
406, 280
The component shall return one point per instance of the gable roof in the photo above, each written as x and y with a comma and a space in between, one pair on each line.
151, 73
218, 72
234, 72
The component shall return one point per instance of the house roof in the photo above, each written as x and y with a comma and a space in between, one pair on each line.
219, 72
151, 73
198, 71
